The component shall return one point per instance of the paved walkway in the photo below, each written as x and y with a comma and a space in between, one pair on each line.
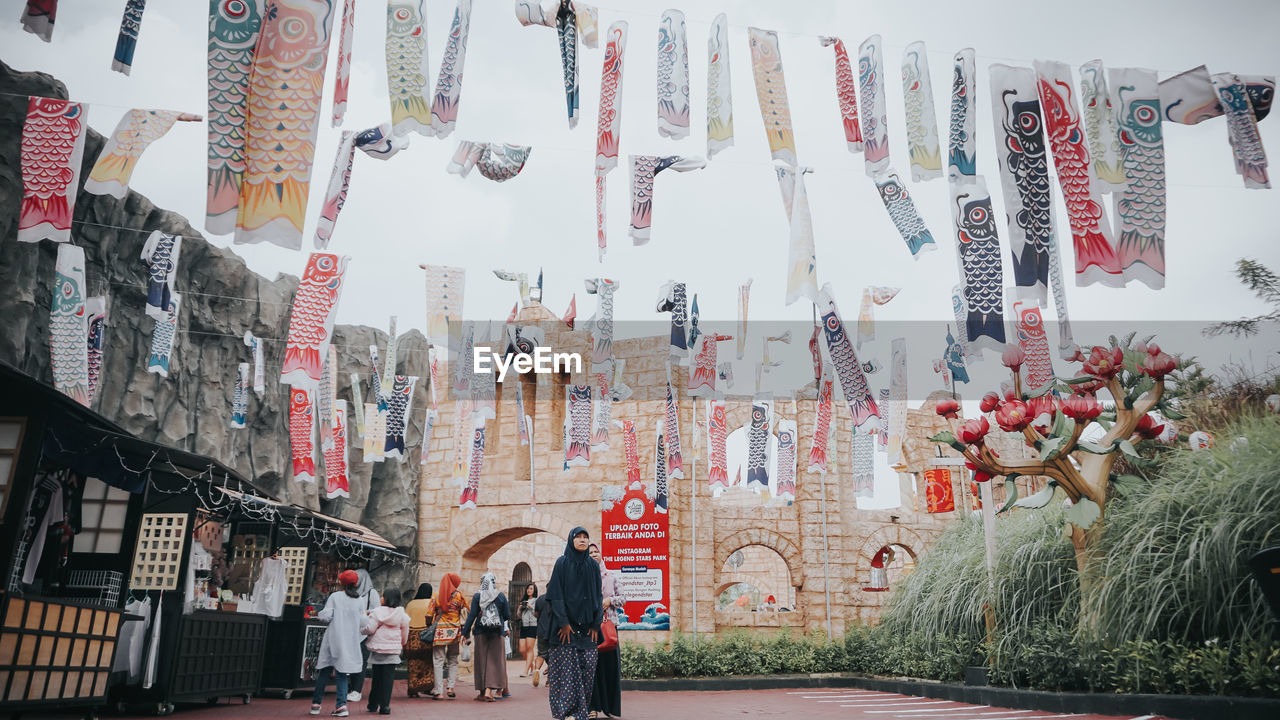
530, 703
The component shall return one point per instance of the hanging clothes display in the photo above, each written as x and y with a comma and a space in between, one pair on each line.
127, 41
863, 460
609, 121
95, 310
254, 344
719, 88
744, 297
694, 315
445, 286
240, 398
771, 92
961, 309
643, 170
802, 261
234, 30
302, 432
853, 383
496, 162
846, 93
938, 494
1140, 206
336, 480
38, 17
444, 103
671, 435
132, 642
822, 421
758, 443
702, 376
601, 411
335, 196
902, 211
1037, 369
428, 429
979, 249
52, 148
1100, 123
133, 134
577, 451
342, 75
325, 394
671, 298
68, 326
1024, 176
315, 305
786, 481
922, 122
673, 76
399, 408
1096, 260
160, 253
471, 493
164, 338
962, 138
717, 440
1242, 130
896, 424
875, 123
282, 122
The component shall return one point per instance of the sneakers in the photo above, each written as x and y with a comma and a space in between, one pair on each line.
315, 710
354, 696
340, 711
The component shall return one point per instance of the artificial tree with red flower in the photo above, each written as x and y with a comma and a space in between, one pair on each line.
1051, 420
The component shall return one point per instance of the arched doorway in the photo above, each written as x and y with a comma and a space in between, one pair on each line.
752, 575
890, 565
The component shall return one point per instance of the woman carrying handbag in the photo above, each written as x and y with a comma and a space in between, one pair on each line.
606, 694
449, 610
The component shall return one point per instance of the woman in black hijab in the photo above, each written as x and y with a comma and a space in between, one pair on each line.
575, 632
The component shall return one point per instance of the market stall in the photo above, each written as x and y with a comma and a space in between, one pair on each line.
67, 512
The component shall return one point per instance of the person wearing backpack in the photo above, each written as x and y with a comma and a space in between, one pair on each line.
388, 631
488, 620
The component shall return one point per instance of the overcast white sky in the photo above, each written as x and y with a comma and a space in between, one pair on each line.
712, 228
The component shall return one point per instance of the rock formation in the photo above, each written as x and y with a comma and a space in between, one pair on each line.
222, 298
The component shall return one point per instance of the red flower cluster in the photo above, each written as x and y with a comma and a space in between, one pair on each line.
989, 402
1148, 428
1013, 416
1081, 407
947, 408
1104, 363
973, 431
1157, 364
1013, 357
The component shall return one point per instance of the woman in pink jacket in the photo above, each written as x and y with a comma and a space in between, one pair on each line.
388, 631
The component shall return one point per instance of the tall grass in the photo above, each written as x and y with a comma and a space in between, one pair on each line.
943, 603
1175, 549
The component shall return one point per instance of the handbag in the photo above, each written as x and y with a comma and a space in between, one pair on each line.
608, 636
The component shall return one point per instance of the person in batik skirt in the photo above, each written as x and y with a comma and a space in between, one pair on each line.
576, 616
416, 651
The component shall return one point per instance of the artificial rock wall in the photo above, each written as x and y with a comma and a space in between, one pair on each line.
222, 298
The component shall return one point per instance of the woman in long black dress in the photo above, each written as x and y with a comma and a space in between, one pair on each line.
606, 695
577, 612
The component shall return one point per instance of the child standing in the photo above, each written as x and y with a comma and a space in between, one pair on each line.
388, 631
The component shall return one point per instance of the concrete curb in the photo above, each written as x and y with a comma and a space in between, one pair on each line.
1182, 707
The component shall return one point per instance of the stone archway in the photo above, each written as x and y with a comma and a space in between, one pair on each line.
893, 536
489, 530
767, 538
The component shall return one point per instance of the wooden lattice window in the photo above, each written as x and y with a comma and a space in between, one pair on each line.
295, 574
158, 556
103, 511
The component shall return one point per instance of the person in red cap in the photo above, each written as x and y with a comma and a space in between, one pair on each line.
340, 648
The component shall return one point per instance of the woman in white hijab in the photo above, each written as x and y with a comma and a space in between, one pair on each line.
488, 620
